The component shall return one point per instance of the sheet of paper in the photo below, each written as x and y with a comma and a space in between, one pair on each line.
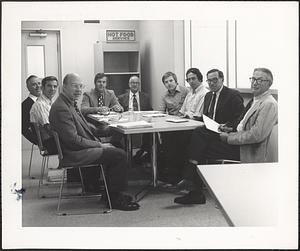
211, 124
177, 120
155, 115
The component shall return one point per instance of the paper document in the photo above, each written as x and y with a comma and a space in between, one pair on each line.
155, 115
134, 124
211, 124
177, 120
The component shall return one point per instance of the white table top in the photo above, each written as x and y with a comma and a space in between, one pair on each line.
248, 193
159, 124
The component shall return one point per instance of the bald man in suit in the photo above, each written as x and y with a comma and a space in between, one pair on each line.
81, 146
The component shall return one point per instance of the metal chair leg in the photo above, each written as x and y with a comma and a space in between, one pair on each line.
41, 175
29, 169
106, 189
60, 192
81, 180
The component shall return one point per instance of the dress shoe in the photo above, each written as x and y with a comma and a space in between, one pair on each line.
138, 156
193, 197
122, 203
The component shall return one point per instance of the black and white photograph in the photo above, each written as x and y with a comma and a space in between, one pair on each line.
164, 125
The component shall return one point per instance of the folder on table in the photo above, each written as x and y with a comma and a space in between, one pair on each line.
135, 124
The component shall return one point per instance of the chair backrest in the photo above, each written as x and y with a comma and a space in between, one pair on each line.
36, 127
272, 146
58, 146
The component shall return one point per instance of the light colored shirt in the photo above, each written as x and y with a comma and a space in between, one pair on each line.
194, 102
137, 96
172, 102
255, 100
217, 98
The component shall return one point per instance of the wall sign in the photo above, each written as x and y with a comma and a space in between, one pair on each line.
120, 35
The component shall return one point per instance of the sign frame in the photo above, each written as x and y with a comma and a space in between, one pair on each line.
117, 36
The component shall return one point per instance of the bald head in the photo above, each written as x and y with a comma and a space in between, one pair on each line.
134, 84
72, 86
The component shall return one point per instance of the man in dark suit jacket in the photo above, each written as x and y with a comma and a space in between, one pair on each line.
135, 100
225, 106
80, 146
33, 84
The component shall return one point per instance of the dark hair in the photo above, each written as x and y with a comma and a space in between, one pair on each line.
30, 77
267, 71
220, 73
169, 74
195, 71
48, 78
99, 76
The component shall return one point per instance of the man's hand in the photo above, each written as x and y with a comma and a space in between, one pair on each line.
106, 145
224, 136
103, 109
117, 108
224, 128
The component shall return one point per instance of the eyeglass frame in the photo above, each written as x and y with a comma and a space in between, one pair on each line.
257, 80
78, 86
214, 80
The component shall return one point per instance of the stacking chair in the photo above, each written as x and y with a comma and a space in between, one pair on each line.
65, 167
45, 157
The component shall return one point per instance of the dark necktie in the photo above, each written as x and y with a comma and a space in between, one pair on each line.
101, 100
135, 103
212, 106
76, 107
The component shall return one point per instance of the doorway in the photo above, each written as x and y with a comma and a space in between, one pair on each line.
40, 57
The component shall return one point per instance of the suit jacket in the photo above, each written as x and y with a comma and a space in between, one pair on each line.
257, 127
27, 128
229, 107
90, 101
78, 143
144, 101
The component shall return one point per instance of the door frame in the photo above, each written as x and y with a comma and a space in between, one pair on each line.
59, 47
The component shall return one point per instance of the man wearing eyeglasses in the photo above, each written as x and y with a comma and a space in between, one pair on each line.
225, 106
81, 146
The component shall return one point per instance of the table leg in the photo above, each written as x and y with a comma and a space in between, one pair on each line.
129, 149
154, 159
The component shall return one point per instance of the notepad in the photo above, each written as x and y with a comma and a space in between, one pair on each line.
135, 124
177, 120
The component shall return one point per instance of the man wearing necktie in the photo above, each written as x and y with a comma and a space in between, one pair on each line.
136, 100
225, 106
81, 146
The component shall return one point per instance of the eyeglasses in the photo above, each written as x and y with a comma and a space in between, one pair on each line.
257, 80
191, 79
78, 86
214, 80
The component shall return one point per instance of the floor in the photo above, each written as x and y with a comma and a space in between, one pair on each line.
157, 207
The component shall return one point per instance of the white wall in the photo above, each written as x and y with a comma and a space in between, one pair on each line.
162, 50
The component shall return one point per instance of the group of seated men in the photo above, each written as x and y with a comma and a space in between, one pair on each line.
244, 130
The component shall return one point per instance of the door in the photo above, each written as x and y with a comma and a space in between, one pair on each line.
40, 57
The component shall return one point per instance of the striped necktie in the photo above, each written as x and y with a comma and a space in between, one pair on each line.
135, 103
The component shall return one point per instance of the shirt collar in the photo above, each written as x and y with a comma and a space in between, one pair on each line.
219, 91
99, 93
177, 89
47, 100
197, 89
131, 94
261, 95
34, 98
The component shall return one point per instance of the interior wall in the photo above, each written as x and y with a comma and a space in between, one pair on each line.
162, 50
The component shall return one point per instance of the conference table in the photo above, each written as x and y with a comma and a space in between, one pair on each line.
247, 194
158, 121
